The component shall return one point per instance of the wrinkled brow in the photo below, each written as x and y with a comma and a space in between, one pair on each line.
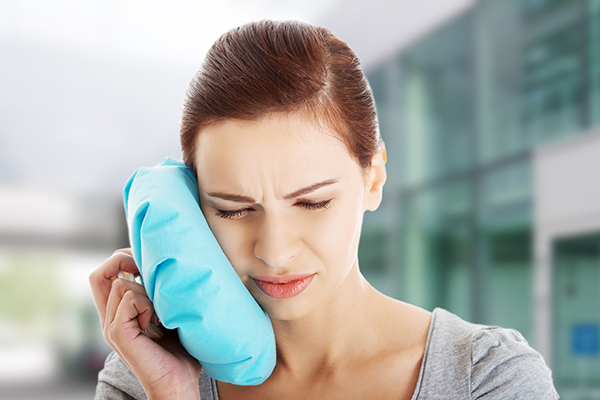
300, 192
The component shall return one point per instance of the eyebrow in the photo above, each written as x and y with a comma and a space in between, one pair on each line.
300, 192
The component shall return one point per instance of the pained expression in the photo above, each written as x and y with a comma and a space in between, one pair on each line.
282, 198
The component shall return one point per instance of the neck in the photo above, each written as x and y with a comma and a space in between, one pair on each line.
349, 321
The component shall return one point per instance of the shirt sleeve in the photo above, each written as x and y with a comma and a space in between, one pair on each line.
504, 366
117, 382
104, 391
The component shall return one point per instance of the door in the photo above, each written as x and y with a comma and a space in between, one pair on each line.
576, 317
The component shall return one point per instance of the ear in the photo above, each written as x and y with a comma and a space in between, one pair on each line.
375, 181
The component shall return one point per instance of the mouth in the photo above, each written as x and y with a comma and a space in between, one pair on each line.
283, 287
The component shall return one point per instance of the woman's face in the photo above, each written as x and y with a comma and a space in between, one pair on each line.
285, 201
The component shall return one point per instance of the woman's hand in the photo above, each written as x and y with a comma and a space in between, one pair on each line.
163, 367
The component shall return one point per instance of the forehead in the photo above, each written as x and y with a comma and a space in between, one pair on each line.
282, 147
288, 133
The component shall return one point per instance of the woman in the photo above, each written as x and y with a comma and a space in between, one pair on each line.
280, 128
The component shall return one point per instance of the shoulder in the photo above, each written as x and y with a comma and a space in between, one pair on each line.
505, 365
482, 362
116, 381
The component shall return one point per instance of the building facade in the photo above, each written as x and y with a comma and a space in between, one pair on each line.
472, 115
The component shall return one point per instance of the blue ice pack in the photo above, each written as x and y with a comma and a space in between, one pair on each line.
188, 278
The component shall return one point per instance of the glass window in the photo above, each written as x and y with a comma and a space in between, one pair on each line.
594, 57
505, 247
531, 85
436, 234
539, 9
498, 86
437, 104
552, 83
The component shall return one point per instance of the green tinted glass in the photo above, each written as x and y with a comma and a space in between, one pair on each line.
437, 104
436, 233
576, 316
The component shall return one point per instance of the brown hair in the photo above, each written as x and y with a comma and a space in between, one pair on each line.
270, 67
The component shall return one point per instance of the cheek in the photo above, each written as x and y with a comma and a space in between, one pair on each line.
230, 237
335, 235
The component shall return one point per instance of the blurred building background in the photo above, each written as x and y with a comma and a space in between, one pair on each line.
492, 123
490, 111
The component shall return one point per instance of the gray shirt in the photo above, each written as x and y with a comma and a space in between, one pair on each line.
461, 361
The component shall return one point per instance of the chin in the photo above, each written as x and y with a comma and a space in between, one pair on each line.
290, 309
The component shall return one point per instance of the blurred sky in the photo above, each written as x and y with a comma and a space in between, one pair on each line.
91, 90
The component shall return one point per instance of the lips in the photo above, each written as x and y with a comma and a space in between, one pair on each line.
285, 286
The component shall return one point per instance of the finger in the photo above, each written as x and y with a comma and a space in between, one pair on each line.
101, 279
125, 327
126, 250
119, 291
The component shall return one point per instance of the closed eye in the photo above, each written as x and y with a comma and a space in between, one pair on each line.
308, 205
233, 214
314, 206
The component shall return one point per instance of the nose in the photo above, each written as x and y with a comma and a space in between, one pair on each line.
277, 241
